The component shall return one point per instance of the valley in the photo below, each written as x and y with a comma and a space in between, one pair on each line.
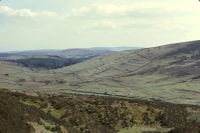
165, 73
149, 90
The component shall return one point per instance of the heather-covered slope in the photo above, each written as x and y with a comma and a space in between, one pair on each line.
70, 113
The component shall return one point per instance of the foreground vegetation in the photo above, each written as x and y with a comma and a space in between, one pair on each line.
70, 113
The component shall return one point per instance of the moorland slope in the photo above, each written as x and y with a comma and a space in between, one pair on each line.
169, 73
71, 113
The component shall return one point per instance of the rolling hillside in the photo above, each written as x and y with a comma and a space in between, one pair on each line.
169, 73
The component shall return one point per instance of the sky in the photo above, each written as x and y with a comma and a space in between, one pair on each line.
62, 24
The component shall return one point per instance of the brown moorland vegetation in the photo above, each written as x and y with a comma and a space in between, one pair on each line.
71, 113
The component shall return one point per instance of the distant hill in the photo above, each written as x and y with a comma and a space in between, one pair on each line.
67, 53
116, 48
53, 59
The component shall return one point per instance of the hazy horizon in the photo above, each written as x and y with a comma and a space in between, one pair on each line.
53, 24
69, 48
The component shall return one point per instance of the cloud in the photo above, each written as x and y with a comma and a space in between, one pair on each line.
8, 11
104, 25
166, 15
106, 22
134, 9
